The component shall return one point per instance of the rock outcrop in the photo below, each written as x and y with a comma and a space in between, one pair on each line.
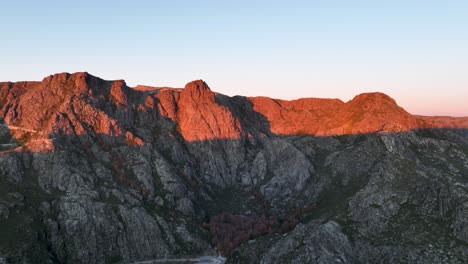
94, 171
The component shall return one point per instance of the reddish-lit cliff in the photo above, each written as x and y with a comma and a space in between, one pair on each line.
60, 100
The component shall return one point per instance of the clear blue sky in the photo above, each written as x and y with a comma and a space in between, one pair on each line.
415, 51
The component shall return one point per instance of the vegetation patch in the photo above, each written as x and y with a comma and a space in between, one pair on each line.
229, 231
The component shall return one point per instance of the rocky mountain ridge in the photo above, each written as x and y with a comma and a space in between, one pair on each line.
93, 171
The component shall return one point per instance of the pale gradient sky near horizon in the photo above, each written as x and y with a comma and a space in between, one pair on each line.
414, 51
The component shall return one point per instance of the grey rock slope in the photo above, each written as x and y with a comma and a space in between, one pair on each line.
92, 171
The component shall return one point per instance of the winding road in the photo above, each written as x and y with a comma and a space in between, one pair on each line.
198, 260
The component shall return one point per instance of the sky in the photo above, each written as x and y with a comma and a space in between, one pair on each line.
415, 51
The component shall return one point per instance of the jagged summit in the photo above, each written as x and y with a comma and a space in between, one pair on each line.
66, 75
198, 89
197, 85
60, 78
79, 79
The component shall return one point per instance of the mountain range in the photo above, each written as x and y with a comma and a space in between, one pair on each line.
95, 171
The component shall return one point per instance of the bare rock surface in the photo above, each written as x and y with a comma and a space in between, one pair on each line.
94, 171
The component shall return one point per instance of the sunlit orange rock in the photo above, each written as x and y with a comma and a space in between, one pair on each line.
366, 113
200, 117
79, 103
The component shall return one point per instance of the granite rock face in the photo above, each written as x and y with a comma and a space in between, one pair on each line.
93, 171
320, 243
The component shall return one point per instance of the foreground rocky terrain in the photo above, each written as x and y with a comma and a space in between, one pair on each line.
93, 171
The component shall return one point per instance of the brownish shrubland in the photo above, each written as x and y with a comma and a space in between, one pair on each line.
229, 230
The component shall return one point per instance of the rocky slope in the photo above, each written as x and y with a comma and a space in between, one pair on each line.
93, 171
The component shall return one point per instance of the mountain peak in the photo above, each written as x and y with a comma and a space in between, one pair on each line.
63, 76
197, 85
198, 89
374, 96
58, 76
374, 102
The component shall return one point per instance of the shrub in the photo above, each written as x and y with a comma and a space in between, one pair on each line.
229, 231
